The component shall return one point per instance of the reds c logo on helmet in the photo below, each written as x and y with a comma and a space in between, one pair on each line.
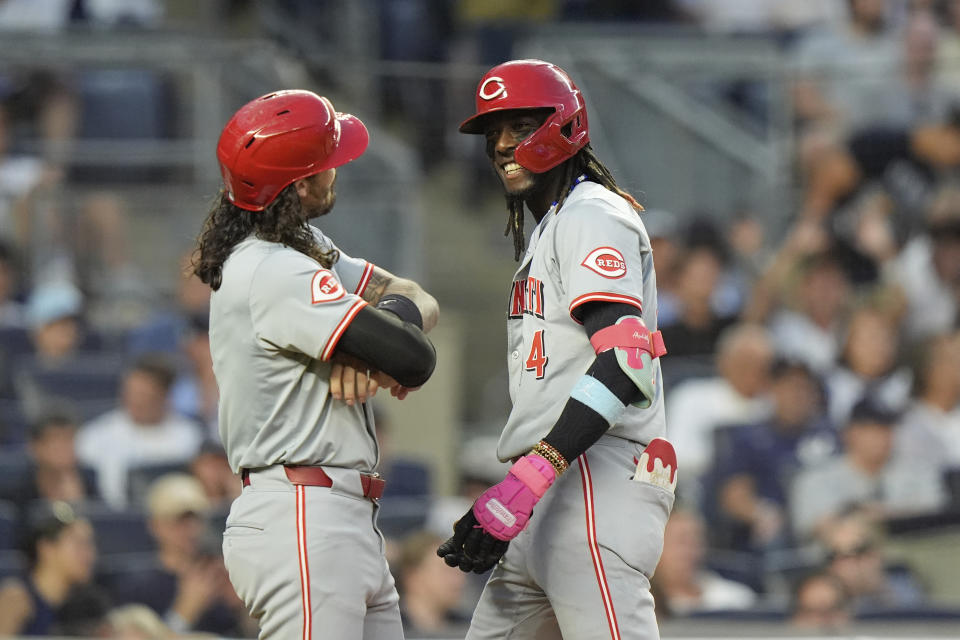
535, 84
491, 88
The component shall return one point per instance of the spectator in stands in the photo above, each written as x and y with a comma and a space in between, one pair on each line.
11, 309
58, 342
53, 315
784, 17
868, 364
411, 477
51, 471
865, 474
195, 393
809, 327
821, 603
429, 593
928, 268
683, 583
210, 467
855, 557
20, 178
907, 160
697, 407
697, 326
60, 550
843, 72
930, 428
755, 466
665, 246
163, 331
137, 622
121, 295
189, 587
141, 431
918, 94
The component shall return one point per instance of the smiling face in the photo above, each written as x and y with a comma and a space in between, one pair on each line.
504, 132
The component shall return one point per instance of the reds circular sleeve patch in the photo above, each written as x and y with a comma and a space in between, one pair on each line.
607, 262
325, 287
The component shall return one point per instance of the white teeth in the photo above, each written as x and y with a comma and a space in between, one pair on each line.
511, 166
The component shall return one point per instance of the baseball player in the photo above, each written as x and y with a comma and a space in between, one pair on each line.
296, 326
576, 527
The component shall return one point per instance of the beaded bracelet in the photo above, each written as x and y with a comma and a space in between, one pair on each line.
551, 455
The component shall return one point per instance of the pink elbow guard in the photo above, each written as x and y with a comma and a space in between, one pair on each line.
505, 508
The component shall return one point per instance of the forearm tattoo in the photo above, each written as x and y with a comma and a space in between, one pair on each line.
377, 286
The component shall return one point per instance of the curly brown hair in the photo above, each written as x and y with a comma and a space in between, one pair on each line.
283, 221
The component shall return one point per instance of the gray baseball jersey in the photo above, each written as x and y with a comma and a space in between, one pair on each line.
594, 249
274, 323
581, 568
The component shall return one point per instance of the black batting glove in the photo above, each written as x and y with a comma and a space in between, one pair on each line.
471, 548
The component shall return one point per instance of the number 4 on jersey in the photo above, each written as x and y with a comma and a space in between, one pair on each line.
537, 360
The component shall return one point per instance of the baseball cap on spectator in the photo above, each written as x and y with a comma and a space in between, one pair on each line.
175, 495
870, 411
51, 302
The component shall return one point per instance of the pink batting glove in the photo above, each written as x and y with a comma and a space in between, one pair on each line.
504, 509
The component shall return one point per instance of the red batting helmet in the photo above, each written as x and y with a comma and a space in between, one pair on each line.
282, 137
535, 84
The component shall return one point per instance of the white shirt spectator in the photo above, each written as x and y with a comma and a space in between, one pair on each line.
826, 490
799, 338
932, 305
930, 435
695, 409
716, 594
112, 444
853, 71
845, 388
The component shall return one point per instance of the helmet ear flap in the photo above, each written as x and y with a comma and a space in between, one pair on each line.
554, 142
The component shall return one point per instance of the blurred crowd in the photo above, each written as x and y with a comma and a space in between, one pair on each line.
812, 381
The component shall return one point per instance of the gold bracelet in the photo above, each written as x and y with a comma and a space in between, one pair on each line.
551, 455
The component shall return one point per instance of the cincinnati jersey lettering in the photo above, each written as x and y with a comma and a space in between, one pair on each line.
526, 297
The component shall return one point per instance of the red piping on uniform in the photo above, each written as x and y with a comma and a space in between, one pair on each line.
603, 297
335, 336
364, 279
304, 563
587, 481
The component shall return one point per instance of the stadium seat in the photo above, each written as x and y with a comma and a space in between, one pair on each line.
112, 568
84, 376
13, 423
140, 478
400, 516
12, 563
118, 532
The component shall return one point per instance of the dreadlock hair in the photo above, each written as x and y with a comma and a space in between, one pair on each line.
282, 221
585, 162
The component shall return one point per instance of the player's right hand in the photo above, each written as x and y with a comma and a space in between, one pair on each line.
470, 548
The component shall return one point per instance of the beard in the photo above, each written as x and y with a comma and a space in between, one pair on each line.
323, 207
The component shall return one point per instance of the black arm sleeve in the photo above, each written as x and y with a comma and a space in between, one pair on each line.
388, 344
580, 426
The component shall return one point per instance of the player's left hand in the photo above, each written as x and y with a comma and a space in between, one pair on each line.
499, 515
470, 548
